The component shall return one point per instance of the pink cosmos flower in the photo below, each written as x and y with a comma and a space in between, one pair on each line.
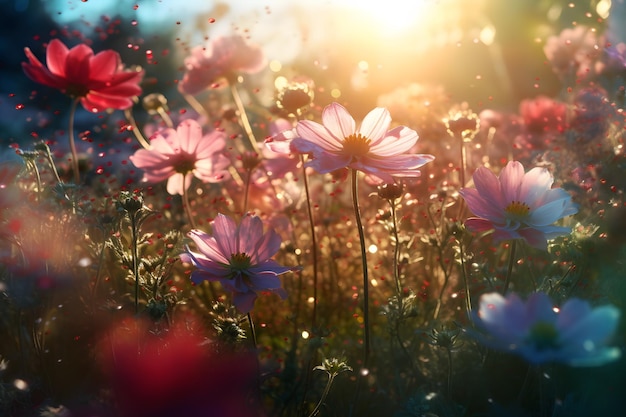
372, 148
574, 51
518, 205
98, 80
224, 57
238, 257
543, 115
178, 155
574, 334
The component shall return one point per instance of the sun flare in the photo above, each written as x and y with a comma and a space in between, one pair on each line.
394, 16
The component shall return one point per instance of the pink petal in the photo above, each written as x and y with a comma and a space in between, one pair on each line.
489, 188
327, 162
511, 179
250, 236
338, 121
177, 183
375, 125
319, 135
189, 134
534, 238
226, 234
482, 205
208, 246
534, 185
397, 141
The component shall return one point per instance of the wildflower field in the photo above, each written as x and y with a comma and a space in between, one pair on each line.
312, 208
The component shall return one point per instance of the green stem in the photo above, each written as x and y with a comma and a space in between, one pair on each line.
316, 410
133, 124
468, 299
509, 271
396, 252
246, 192
313, 242
243, 117
133, 227
252, 331
449, 381
186, 206
166, 117
359, 223
196, 105
72, 144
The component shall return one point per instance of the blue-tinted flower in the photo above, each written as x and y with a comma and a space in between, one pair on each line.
238, 257
518, 205
575, 334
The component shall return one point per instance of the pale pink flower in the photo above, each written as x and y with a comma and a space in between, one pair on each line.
574, 334
518, 205
224, 57
575, 51
179, 155
238, 257
372, 148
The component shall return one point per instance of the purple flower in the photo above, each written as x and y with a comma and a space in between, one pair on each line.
518, 205
575, 334
238, 257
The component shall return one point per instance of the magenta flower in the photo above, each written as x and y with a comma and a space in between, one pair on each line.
518, 205
575, 334
224, 57
372, 148
178, 155
238, 257
99, 80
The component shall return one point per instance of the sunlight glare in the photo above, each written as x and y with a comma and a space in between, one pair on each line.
393, 16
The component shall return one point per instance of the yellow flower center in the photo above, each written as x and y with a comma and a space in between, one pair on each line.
543, 335
239, 262
517, 209
356, 145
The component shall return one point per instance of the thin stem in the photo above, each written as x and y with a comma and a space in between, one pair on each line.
48, 156
246, 192
449, 382
133, 227
252, 331
135, 129
72, 144
186, 206
313, 241
316, 410
359, 223
166, 117
196, 105
463, 159
468, 299
396, 252
507, 281
243, 117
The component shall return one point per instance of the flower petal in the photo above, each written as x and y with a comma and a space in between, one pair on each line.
337, 121
375, 125
395, 142
511, 179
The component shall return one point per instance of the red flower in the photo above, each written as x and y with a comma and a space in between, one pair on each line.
99, 80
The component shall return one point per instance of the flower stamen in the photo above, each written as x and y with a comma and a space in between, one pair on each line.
517, 209
543, 335
356, 145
